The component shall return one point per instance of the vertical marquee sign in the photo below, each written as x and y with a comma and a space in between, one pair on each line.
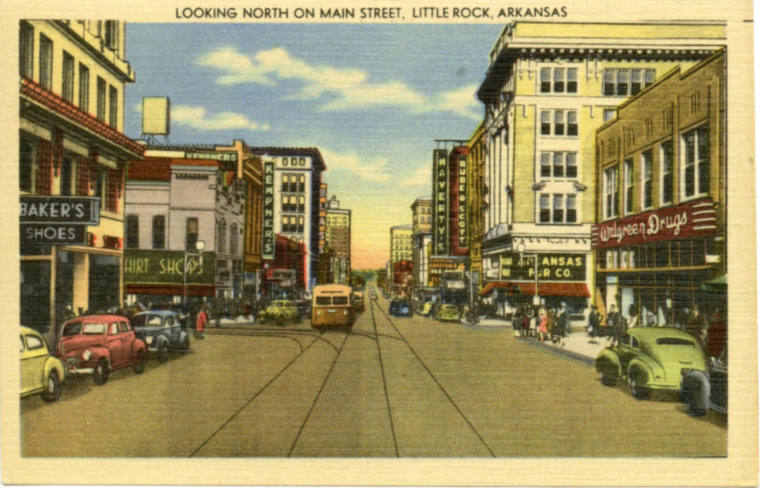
322, 216
267, 236
462, 202
440, 202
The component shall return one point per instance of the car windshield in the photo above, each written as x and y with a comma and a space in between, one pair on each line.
94, 328
72, 329
674, 341
146, 320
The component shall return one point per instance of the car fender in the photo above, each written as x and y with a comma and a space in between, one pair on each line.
161, 339
98, 353
53, 363
695, 384
137, 346
608, 359
646, 366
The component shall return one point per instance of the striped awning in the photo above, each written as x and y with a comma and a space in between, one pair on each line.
579, 290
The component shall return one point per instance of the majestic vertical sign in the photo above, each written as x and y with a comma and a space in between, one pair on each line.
322, 216
462, 202
440, 203
267, 235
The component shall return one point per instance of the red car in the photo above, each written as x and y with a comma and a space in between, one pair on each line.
99, 344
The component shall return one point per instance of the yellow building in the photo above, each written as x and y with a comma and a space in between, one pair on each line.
72, 79
475, 188
401, 243
661, 237
422, 228
548, 88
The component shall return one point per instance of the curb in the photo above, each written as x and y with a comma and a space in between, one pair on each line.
559, 350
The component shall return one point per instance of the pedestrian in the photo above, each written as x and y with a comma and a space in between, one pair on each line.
593, 325
615, 325
517, 322
696, 325
200, 323
561, 324
543, 324
633, 317
532, 324
716, 334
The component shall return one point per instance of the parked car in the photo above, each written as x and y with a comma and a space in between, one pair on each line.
280, 312
650, 358
100, 344
304, 307
447, 312
162, 331
704, 390
400, 308
40, 372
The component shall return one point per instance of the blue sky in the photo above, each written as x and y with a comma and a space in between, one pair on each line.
371, 97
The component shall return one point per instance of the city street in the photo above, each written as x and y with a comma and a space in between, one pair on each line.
392, 387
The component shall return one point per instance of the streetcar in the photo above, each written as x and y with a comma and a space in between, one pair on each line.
357, 299
331, 306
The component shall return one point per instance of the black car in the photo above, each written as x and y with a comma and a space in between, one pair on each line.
304, 307
704, 390
400, 308
162, 331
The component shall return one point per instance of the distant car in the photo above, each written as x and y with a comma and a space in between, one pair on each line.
40, 372
704, 390
650, 358
100, 344
373, 294
357, 300
400, 308
280, 312
162, 332
304, 307
426, 309
447, 313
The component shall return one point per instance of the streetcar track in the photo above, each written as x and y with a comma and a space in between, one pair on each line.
385, 385
319, 393
438, 383
255, 395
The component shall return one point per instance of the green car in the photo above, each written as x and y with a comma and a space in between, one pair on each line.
281, 312
650, 358
447, 312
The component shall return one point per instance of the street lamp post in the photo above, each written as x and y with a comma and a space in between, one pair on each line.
521, 250
199, 247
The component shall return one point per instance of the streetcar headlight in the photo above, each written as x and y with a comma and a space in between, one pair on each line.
86, 355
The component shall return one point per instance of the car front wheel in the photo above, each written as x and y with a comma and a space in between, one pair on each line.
100, 373
53, 387
608, 379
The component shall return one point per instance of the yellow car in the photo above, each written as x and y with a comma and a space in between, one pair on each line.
40, 372
281, 312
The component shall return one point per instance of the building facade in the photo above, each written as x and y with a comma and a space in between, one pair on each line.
422, 226
401, 243
548, 88
475, 202
173, 203
660, 242
293, 211
72, 80
338, 240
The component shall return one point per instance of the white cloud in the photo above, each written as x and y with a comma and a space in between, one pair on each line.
197, 118
374, 170
347, 88
421, 177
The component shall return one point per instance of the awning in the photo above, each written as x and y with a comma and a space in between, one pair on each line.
579, 290
717, 284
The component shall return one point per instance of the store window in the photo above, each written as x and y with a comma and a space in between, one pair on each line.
647, 186
695, 162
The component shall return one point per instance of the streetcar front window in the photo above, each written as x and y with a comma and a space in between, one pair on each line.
323, 300
340, 300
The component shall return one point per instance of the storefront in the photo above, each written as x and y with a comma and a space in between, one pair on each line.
169, 276
657, 264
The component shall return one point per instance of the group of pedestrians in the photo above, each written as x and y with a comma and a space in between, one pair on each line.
542, 323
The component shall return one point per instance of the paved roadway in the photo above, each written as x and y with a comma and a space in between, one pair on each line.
392, 387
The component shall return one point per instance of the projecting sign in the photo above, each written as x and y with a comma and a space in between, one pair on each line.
551, 267
59, 210
440, 202
167, 267
53, 234
268, 237
461, 196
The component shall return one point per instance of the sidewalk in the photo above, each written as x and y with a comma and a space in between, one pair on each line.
576, 345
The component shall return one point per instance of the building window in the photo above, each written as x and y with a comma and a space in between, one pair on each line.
113, 106
623, 82
112, 35
101, 108
233, 238
191, 233
27, 165
557, 208
559, 165
26, 51
666, 172
544, 209
222, 237
46, 62
84, 88
609, 114
628, 186
571, 212
133, 232
572, 80
301, 183
67, 173
67, 89
100, 186
565, 80
300, 225
611, 196
565, 122
159, 232
696, 162
546, 82
647, 187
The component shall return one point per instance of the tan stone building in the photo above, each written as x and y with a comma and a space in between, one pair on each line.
422, 228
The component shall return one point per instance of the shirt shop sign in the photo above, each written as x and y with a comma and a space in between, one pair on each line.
168, 267
551, 267
57, 220
690, 219
267, 236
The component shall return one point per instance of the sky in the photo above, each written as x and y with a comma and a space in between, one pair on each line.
371, 97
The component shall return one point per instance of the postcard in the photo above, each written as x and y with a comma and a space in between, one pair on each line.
379, 243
